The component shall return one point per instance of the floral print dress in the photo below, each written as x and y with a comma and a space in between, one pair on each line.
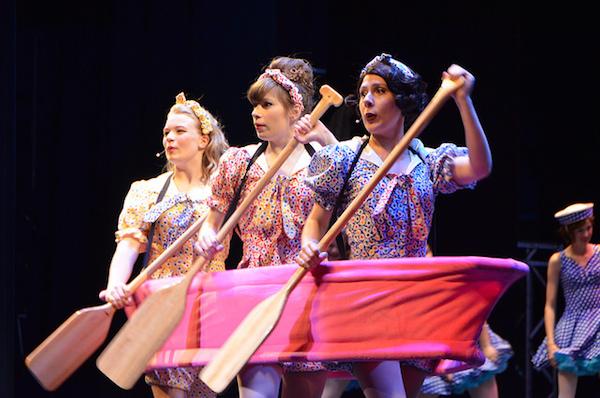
173, 215
395, 219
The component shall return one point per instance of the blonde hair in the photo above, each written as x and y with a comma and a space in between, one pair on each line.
217, 144
299, 71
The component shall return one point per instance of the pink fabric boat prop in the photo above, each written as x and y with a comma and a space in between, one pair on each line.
354, 310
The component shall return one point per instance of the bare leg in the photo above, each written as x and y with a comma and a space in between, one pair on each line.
303, 384
489, 389
413, 379
380, 379
259, 381
166, 392
334, 388
567, 385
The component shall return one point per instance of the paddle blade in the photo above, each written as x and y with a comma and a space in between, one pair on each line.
61, 354
243, 342
125, 358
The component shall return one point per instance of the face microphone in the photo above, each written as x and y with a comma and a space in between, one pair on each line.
159, 154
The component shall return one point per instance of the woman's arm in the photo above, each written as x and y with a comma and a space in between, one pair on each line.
315, 227
486, 344
550, 306
207, 244
478, 164
304, 132
121, 267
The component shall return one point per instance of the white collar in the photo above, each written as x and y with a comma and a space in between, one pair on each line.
301, 164
405, 164
196, 194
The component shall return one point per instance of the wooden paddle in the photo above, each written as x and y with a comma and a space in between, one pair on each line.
259, 323
61, 354
126, 357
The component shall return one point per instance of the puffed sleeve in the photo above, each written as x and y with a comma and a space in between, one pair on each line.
441, 163
232, 166
131, 220
327, 171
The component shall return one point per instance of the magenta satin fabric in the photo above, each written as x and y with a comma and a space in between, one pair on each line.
347, 310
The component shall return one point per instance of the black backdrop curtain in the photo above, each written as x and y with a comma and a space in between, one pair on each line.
94, 80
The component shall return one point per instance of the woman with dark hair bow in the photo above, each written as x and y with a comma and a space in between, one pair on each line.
395, 219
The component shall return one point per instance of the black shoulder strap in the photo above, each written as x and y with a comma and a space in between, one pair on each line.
334, 215
309, 148
160, 197
238, 190
413, 150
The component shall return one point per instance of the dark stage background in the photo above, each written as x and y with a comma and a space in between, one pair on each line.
86, 87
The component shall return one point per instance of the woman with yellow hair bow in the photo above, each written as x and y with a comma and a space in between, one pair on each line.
157, 211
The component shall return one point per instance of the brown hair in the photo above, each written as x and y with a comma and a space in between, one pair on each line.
298, 71
566, 231
217, 144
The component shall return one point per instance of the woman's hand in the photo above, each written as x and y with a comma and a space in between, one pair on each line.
305, 132
310, 256
552, 348
455, 72
490, 352
118, 295
207, 244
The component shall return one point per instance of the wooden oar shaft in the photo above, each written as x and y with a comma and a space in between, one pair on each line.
319, 110
447, 88
160, 260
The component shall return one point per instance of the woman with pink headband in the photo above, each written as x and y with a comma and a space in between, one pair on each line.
270, 229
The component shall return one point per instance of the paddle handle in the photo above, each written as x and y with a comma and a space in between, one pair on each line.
160, 260
319, 110
447, 88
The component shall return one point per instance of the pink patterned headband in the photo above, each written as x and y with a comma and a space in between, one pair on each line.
279, 78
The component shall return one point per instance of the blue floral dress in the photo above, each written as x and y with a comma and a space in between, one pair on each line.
396, 217
577, 332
